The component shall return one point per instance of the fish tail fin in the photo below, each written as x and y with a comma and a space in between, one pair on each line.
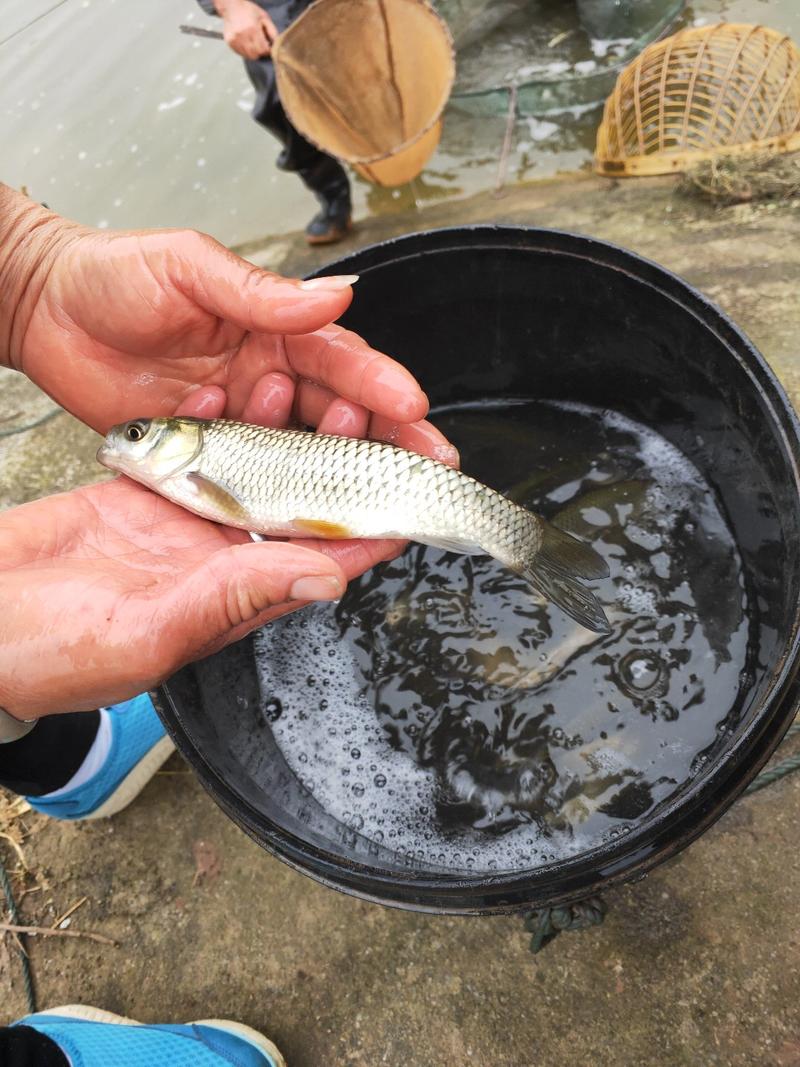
554, 570
567, 552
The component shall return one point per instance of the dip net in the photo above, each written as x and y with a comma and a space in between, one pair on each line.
367, 81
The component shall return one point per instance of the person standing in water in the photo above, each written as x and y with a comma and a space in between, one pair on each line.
250, 27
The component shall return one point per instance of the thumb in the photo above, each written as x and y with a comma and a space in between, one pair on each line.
236, 590
254, 299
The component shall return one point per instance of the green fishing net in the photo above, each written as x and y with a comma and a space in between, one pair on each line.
557, 53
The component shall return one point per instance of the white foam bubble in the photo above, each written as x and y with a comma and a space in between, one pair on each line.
333, 742
673, 473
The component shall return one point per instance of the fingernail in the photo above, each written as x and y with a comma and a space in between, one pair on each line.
333, 283
320, 587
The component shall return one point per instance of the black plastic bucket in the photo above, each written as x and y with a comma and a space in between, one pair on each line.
497, 312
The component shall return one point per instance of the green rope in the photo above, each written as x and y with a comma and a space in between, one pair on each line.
32, 425
774, 774
547, 923
27, 976
780, 770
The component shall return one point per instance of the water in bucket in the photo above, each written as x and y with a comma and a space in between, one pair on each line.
443, 712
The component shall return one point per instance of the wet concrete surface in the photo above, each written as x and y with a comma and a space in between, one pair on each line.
698, 964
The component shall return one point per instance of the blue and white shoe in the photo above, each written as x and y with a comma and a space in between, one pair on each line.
130, 746
90, 1037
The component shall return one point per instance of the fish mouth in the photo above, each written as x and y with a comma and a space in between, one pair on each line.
105, 455
109, 456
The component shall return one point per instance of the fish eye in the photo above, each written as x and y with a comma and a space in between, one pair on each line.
135, 431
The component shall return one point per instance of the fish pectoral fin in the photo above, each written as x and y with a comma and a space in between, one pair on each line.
329, 531
227, 506
452, 544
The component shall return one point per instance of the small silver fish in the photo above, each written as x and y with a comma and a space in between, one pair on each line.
298, 484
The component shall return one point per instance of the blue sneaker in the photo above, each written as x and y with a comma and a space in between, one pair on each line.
130, 747
90, 1037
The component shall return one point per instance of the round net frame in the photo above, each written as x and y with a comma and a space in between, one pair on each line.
367, 81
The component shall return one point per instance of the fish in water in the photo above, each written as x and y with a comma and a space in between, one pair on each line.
299, 484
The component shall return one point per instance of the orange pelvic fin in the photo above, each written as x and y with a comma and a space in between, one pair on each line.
330, 531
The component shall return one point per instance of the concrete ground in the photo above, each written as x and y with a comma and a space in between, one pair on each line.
697, 965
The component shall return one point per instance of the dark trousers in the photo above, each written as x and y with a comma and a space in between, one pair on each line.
324, 175
21, 1046
48, 756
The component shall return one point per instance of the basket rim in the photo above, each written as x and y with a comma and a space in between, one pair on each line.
733, 29
673, 162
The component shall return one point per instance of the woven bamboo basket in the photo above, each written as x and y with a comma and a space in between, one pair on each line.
714, 90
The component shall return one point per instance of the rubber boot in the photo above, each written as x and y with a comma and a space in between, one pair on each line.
329, 183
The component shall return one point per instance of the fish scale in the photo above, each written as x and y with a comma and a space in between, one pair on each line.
320, 478
294, 483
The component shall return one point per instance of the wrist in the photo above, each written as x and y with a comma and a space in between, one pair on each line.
229, 7
31, 238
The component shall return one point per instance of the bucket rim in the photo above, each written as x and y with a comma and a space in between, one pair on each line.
680, 820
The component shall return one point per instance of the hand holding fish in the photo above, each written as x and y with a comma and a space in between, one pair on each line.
109, 589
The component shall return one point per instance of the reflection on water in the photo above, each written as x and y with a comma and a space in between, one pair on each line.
114, 118
444, 711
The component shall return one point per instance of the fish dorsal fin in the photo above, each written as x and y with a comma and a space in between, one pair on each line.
227, 506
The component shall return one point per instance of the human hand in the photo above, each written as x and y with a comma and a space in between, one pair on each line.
121, 326
109, 589
139, 325
135, 325
247, 29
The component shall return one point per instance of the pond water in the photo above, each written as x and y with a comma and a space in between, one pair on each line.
114, 118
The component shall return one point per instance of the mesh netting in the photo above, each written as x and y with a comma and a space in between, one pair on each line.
397, 49
558, 53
